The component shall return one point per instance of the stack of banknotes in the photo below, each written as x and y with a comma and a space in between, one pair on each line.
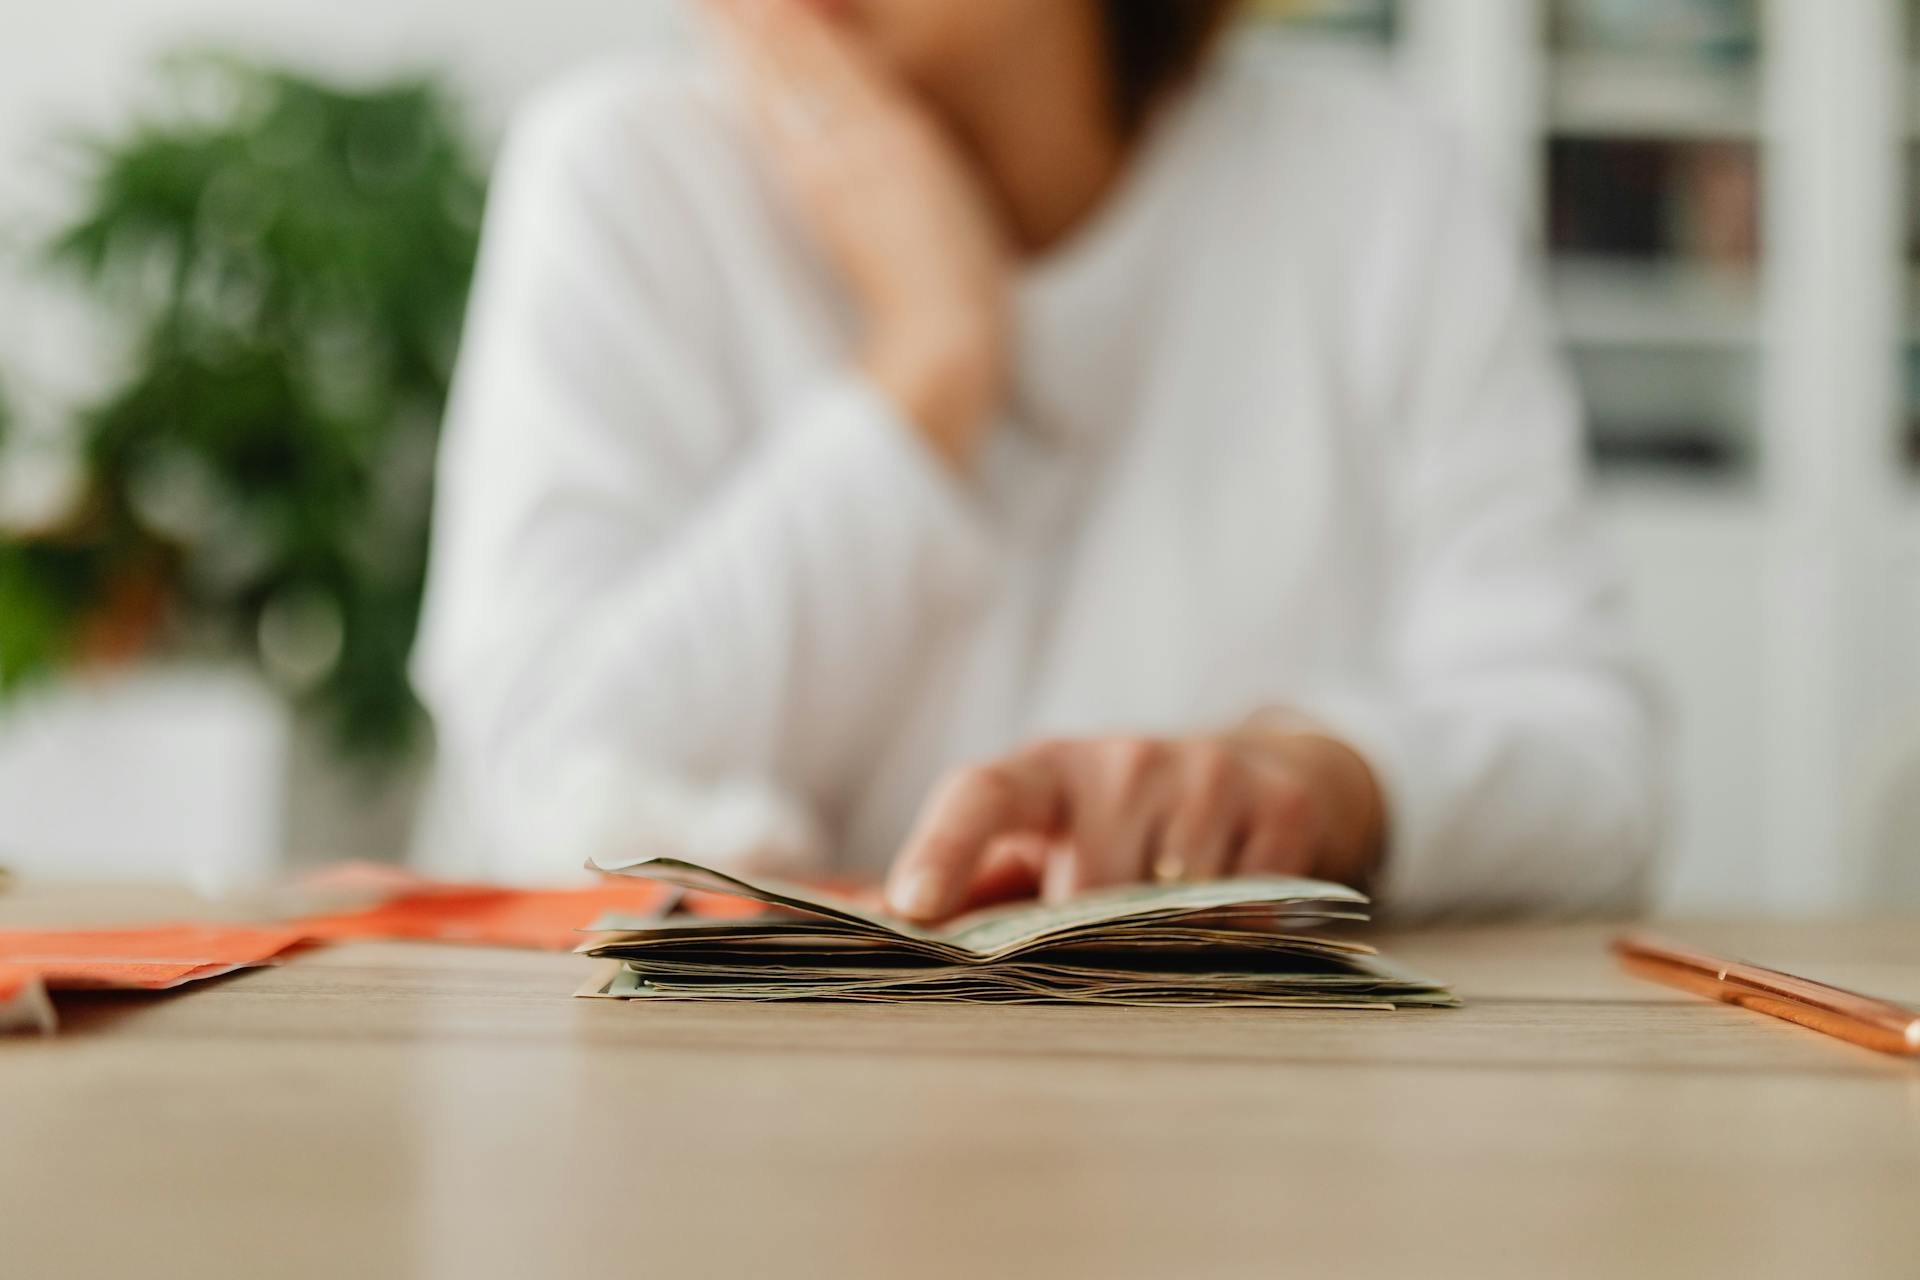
1257, 941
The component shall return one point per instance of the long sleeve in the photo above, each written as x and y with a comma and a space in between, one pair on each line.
658, 609
1517, 747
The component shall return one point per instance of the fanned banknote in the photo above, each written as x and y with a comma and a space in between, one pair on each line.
1253, 941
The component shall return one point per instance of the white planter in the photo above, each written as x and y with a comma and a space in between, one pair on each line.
168, 774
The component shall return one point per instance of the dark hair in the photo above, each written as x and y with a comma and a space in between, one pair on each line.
1152, 45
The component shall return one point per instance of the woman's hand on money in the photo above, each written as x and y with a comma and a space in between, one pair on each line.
1063, 816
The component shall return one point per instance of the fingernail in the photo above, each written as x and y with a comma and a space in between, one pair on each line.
916, 895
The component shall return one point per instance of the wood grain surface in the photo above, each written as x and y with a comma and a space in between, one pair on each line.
405, 1110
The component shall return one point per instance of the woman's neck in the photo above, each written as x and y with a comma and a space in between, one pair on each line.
1040, 126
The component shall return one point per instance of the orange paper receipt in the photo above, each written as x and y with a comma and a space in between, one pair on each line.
146, 959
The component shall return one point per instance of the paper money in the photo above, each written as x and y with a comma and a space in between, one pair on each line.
1251, 941
23, 1000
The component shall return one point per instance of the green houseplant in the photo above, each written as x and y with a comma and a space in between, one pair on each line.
291, 259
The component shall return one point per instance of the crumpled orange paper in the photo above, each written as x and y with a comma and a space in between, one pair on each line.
145, 959
351, 901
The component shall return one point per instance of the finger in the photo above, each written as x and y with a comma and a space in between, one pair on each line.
1115, 799
956, 828
1207, 815
1010, 871
1119, 851
1269, 851
814, 50
753, 48
1284, 832
801, 73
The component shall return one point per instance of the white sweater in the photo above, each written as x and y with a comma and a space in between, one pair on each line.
1287, 431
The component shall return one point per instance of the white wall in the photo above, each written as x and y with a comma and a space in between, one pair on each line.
173, 775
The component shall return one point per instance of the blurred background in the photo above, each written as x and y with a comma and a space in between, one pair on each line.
234, 243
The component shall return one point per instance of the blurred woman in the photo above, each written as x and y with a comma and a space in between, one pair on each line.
1017, 446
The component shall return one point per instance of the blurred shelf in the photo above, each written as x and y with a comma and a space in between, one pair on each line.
1907, 437
1602, 303
1728, 509
1611, 95
1325, 38
1678, 457
1721, 31
1319, 48
1329, 25
1683, 416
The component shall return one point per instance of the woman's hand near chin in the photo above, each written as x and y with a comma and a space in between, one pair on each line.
893, 204
1066, 816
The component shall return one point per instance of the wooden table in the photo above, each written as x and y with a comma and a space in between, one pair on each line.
406, 1110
